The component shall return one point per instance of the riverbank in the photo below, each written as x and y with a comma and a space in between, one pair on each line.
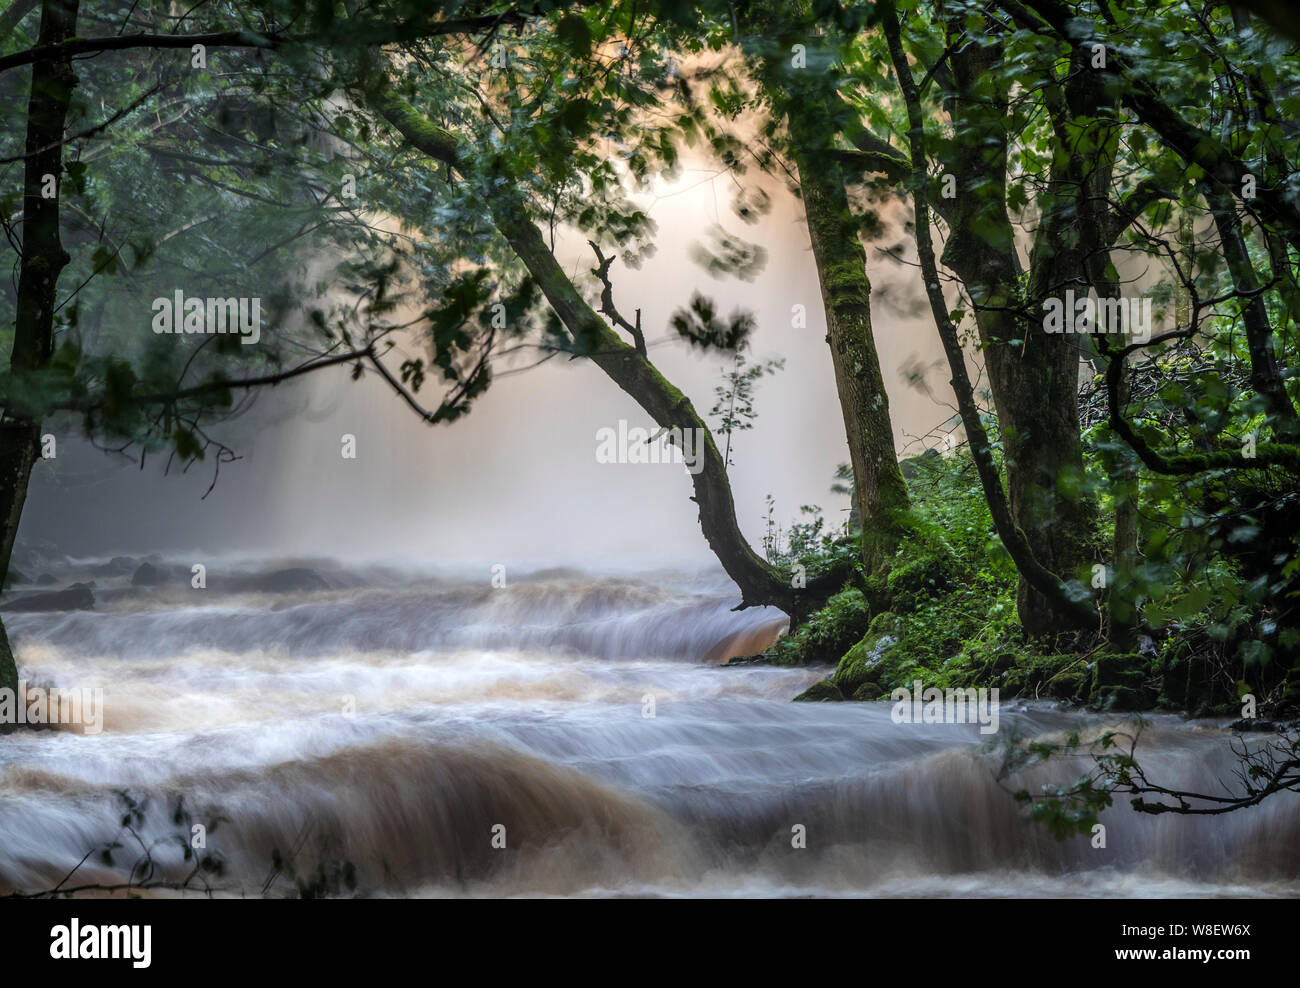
945, 612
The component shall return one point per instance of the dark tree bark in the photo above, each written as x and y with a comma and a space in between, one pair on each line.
1082, 100
1265, 376
1040, 580
43, 259
1033, 374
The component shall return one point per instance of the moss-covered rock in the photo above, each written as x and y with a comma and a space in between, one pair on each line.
1012, 682
1119, 683
1071, 684
866, 692
1059, 677
998, 666
926, 570
819, 692
861, 664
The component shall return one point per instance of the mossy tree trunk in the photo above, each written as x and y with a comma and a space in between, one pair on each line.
880, 494
1033, 375
1265, 376
1082, 233
1040, 581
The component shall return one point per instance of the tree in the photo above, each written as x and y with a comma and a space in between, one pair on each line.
589, 336
487, 131
1039, 578
53, 360
734, 407
42, 260
235, 148
794, 62
166, 405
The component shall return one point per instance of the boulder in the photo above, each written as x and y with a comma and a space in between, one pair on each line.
117, 566
282, 581
861, 663
77, 597
149, 575
1119, 684
820, 692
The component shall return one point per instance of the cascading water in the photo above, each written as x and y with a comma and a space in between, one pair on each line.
394, 728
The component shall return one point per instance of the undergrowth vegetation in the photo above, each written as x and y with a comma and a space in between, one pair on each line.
945, 614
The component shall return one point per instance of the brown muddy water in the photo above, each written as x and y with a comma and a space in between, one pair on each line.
394, 728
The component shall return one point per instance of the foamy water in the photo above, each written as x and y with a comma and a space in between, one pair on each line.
393, 728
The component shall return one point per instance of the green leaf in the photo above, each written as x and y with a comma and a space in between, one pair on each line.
77, 176
103, 260
575, 34
187, 444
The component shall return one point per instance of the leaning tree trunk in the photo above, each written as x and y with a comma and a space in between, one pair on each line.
43, 258
760, 583
880, 494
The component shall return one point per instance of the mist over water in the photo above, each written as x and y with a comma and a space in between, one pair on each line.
393, 724
516, 481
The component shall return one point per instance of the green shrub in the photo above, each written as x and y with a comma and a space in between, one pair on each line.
827, 634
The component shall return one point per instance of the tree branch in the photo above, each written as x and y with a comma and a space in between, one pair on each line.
607, 300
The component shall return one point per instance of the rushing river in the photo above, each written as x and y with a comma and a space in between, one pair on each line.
399, 724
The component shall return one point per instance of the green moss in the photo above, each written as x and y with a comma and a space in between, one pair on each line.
998, 666
927, 570
1013, 683
945, 613
827, 634
820, 692
1059, 677
861, 664
1185, 680
1119, 683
